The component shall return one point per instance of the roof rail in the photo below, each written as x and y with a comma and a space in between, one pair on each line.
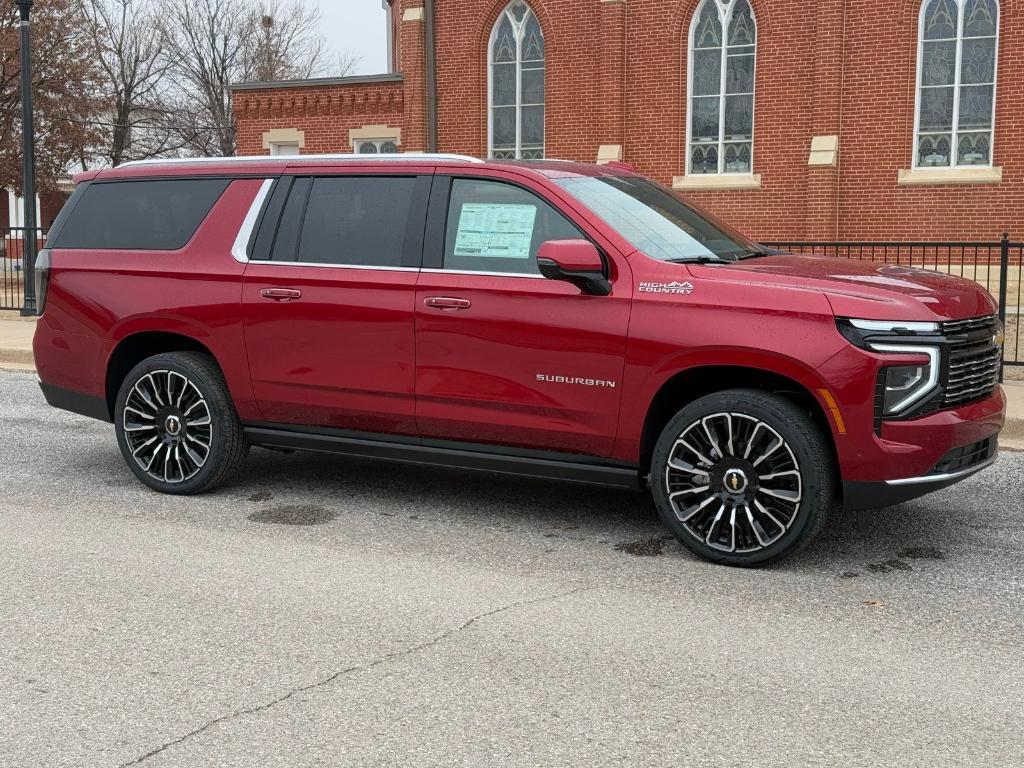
304, 158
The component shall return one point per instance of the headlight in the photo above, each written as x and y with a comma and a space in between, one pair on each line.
903, 386
907, 385
900, 382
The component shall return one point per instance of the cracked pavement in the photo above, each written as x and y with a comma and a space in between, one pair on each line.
324, 611
347, 670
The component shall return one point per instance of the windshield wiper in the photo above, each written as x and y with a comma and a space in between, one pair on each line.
698, 260
757, 254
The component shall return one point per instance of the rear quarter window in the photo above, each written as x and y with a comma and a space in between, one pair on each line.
151, 215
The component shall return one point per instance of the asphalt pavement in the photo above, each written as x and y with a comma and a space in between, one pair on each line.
323, 611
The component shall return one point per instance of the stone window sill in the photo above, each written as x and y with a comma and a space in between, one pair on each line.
724, 181
950, 176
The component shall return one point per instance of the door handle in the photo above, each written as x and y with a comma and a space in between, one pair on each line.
447, 303
281, 294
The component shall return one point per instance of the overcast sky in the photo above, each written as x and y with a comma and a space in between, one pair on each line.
356, 26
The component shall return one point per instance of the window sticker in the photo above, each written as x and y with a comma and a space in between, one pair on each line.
495, 230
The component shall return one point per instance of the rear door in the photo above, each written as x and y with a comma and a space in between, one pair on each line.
503, 355
328, 297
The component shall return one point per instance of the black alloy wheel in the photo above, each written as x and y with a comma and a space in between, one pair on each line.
176, 425
743, 477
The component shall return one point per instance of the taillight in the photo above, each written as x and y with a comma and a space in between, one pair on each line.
42, 272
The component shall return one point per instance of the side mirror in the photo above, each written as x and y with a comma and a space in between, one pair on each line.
574, 261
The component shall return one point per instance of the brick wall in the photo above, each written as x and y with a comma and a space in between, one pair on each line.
616, 74
323, 112
878, 128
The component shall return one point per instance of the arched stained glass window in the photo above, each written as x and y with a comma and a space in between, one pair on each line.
956, 75
720, 124
516, 85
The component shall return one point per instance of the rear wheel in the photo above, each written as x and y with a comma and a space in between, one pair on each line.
176, 426
743, 477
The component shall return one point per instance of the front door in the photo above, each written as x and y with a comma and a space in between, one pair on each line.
329, 309
503, 355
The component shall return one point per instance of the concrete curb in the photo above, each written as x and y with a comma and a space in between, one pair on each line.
17, 357
17, 367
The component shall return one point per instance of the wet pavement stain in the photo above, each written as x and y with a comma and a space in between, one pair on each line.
294, 514
261, 496
644, 547
922, 553
890, 565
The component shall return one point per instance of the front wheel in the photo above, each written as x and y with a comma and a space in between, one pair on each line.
743, 477
176, 425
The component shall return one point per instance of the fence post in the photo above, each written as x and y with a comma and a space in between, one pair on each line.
1004, 274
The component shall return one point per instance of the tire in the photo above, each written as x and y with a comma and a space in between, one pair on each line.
176, 425
716, 496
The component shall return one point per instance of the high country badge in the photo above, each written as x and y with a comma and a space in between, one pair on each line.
685, 288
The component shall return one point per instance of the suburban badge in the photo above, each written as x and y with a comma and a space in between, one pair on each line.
575, 380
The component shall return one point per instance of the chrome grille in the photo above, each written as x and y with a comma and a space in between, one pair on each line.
954, 327
974, 360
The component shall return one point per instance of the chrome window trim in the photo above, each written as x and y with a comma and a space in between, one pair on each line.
486, 274
240, 248
942, 478
332, 266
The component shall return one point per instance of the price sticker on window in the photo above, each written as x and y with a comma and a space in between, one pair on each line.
495, 230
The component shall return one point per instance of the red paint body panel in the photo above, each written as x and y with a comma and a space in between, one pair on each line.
340, 356
515, 361
98, 298
477, 368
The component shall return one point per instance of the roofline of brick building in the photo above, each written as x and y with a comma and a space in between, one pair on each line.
318, 82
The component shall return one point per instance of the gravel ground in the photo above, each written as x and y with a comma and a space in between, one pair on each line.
323, 611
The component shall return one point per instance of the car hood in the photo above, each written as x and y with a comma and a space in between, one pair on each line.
865, 289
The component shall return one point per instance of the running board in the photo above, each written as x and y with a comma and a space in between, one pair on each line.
434, 452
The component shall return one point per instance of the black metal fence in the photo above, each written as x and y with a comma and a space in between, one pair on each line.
997, 266
12, 265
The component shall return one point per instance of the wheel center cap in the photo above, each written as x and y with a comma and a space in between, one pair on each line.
173, 425
735, 481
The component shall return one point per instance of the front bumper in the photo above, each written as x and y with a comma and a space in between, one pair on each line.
958, 464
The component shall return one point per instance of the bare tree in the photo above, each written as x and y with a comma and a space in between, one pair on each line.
288, 45
344, 64
212, 44
129, 47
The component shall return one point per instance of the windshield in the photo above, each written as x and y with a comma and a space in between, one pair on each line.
657, 222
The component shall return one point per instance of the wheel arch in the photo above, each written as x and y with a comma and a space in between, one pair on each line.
136, 347
687, 385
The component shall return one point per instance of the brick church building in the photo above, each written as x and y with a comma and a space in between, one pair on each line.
795, 120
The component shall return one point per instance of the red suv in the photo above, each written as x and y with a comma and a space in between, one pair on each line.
544, 318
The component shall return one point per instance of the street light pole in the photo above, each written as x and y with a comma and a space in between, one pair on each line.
28, 162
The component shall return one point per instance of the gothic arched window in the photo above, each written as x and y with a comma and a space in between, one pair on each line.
956, 76
515, 79
720, 125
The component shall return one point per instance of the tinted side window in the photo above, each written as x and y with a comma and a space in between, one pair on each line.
356, 220
498, 227
157, 215
287, 240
